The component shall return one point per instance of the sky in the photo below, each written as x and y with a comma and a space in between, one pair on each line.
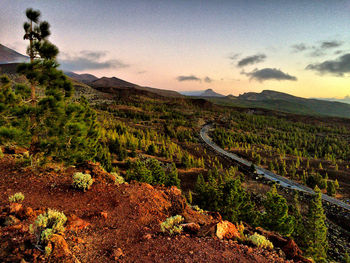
301, 47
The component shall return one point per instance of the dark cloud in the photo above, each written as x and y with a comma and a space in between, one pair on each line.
208, 80
338, 52
299, 47
93, 54
251, 60
337, 67
331, 44
188, 78
89, 60
234, 56
269, 74
316, 52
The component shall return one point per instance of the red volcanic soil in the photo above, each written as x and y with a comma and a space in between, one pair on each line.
108, 222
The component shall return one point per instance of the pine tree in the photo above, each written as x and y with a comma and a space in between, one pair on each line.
37, 33
299, 229
235, 203
316, 229
331, 189
276, 217
172, 177
59, 128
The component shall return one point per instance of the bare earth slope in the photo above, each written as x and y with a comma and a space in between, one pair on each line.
110, 222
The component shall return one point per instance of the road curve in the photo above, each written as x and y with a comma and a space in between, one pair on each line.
284, 182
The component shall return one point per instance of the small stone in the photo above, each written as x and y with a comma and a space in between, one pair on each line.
15, 208
104, 215
118, 253
147, 236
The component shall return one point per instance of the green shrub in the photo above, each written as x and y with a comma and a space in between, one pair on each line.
82, 181
47, 224
260, 241
118, 178
16, 198
172, 225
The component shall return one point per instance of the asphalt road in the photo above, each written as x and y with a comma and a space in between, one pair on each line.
284, 182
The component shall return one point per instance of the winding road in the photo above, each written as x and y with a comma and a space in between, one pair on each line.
284, 182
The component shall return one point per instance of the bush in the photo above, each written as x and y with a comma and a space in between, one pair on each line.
172, 225
47, 224
82, 181
260, 241
118, 179
16, 198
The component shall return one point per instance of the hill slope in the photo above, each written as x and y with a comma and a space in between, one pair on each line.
114, 85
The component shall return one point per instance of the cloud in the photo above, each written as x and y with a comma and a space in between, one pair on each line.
188, 78
299, 47
269, 74
317, 50
251, 60
93, 54
208, 80
336, 67
89, 60
234, 56
331, 44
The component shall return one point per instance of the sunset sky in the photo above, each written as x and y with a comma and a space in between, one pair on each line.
301, 47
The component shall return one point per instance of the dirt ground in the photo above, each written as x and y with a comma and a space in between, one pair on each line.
112, 222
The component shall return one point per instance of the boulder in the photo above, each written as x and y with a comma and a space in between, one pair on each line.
226, 230
59, 247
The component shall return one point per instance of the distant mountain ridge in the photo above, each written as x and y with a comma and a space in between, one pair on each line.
280, 101
84, 78
202, 93
8, 55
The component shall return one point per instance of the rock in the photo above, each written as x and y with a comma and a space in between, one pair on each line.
191, 228
15, 208
60, 248
147, 237
117, 253
104, 215
226, 229
75, 223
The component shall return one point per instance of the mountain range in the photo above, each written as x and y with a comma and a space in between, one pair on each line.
267, 99
8, 55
